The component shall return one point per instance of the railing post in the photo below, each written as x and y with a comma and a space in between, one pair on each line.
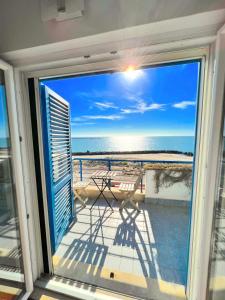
81, 171
109, 168
109, 165
141, 178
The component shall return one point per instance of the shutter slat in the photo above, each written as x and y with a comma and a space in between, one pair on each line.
59, 111
58, 119
56, 106
57, 126
59, 103
59, 115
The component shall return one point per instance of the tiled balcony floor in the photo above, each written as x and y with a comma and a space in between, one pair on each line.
145, 253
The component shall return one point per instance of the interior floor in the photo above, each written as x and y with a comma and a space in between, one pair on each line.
10, 290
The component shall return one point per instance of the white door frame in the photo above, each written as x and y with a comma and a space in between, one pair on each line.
215, 148
22, 74
18, 177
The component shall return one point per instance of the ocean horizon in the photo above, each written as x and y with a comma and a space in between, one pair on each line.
133, 143
128, 144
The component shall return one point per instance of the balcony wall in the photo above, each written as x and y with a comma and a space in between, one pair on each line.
169, 187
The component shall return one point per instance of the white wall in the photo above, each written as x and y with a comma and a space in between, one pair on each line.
21, 25
178, 191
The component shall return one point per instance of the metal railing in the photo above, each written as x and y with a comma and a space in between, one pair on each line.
109, 163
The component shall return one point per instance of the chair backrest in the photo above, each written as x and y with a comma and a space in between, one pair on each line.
138, 181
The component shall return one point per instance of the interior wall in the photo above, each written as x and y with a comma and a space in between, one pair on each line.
21, 25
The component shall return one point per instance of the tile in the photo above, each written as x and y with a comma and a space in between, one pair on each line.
141, 226
115, 250
111, 232
126, 265
168, 274
137, 268
107, 241
151, 245
112, 262
127, 252
142, 253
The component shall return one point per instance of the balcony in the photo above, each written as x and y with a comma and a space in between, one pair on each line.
144, 254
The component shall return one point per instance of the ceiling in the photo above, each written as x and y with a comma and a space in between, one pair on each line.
21, 25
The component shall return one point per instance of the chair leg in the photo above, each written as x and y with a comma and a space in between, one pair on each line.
124, 202
86, 195
77, 196
130, 199
134, 204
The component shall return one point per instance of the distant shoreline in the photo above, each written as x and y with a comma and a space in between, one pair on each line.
132, 152
144, 136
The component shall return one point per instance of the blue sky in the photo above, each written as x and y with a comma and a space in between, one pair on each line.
149, 102
3, 115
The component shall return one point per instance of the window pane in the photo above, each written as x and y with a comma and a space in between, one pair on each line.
10, 248
217, 269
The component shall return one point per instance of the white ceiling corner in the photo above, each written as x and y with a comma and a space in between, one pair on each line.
200, 28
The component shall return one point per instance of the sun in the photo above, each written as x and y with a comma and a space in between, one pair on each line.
131, 73
130, 69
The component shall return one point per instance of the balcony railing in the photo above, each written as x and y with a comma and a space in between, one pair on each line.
84, 167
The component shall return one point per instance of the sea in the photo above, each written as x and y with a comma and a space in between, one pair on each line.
133, 143
129, 143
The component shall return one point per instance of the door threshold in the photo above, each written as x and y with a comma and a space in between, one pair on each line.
78, 290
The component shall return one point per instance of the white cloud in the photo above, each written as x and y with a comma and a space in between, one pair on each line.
103, 117
77, 119
105, 105
96, 94
184, 104
81, 123
142, 107
98, 117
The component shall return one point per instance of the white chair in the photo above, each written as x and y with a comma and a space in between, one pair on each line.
79, 189
129, 189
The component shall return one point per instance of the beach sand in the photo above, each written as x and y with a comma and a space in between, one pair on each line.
145, 156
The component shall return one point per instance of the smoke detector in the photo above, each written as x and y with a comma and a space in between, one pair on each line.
61, 10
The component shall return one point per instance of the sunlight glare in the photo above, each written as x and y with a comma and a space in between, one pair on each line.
125, 142
131, 73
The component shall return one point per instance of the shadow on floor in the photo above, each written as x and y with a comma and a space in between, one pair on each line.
170, 227
129, 235
142, 250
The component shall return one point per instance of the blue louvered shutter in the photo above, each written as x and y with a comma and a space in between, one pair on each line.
58, 162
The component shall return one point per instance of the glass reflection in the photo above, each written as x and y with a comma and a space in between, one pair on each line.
217, 270
10, 248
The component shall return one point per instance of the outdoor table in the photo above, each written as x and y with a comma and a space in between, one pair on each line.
105, 177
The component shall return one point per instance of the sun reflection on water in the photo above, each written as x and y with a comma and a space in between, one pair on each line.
128, 143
